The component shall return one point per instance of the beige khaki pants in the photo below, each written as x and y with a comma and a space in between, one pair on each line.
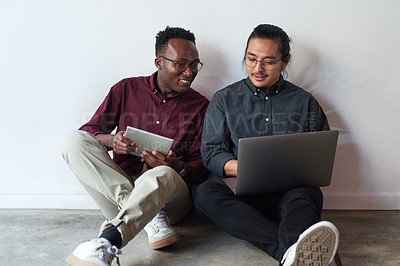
127, 202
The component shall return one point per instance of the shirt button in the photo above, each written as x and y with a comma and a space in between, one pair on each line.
267, 119
276, 91
164, 101
256, 93
266, 98
157, 122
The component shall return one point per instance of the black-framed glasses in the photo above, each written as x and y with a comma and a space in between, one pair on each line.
182, 66
266, 64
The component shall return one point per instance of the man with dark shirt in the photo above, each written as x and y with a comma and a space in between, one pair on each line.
287, 224
149, 191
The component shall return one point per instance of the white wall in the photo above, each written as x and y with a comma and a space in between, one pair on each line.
58, 60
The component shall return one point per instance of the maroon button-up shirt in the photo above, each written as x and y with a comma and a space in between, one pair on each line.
137, 102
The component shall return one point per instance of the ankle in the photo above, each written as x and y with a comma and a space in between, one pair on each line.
113, 235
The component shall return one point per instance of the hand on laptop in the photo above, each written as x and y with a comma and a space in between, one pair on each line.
230, 168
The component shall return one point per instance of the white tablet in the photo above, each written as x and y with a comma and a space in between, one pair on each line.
147, 141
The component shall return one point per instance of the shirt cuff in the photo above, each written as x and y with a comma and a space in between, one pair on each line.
220, 162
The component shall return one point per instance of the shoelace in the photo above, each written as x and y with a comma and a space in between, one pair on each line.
286, 255
108, 253
160, 220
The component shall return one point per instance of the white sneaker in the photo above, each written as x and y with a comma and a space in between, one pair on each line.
160, 233
98, 252
316, 246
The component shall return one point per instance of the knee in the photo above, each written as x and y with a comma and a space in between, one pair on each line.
311, 197
163, 175
166, 170
75, 142
205, 194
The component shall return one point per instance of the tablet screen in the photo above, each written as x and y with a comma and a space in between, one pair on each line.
147, 141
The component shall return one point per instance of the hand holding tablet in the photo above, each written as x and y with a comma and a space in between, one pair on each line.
147, 141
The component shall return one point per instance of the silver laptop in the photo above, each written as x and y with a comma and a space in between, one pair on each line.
282, 162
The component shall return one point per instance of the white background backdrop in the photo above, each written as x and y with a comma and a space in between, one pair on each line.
58, 60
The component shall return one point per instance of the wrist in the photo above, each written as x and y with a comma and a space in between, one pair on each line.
106, 139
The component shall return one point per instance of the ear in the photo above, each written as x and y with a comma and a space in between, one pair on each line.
157, 63
285, 62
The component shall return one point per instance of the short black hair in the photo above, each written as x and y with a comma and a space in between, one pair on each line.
164, 36
271, 32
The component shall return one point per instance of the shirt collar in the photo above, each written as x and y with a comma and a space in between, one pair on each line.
155, 89
153, 83
274, 90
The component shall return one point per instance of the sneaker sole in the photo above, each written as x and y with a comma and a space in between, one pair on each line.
318, 247
73, 260
165, 242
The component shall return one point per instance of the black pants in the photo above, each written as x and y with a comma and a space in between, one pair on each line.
271, 222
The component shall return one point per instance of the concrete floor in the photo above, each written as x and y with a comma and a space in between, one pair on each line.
46, 237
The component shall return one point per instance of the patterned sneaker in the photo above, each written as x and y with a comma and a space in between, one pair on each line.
316, 246
98, 252
160, 233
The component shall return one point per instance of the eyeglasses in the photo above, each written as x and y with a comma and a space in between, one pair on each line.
182, 66
266, 64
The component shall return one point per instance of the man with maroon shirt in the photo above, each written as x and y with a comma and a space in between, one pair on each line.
149, 191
